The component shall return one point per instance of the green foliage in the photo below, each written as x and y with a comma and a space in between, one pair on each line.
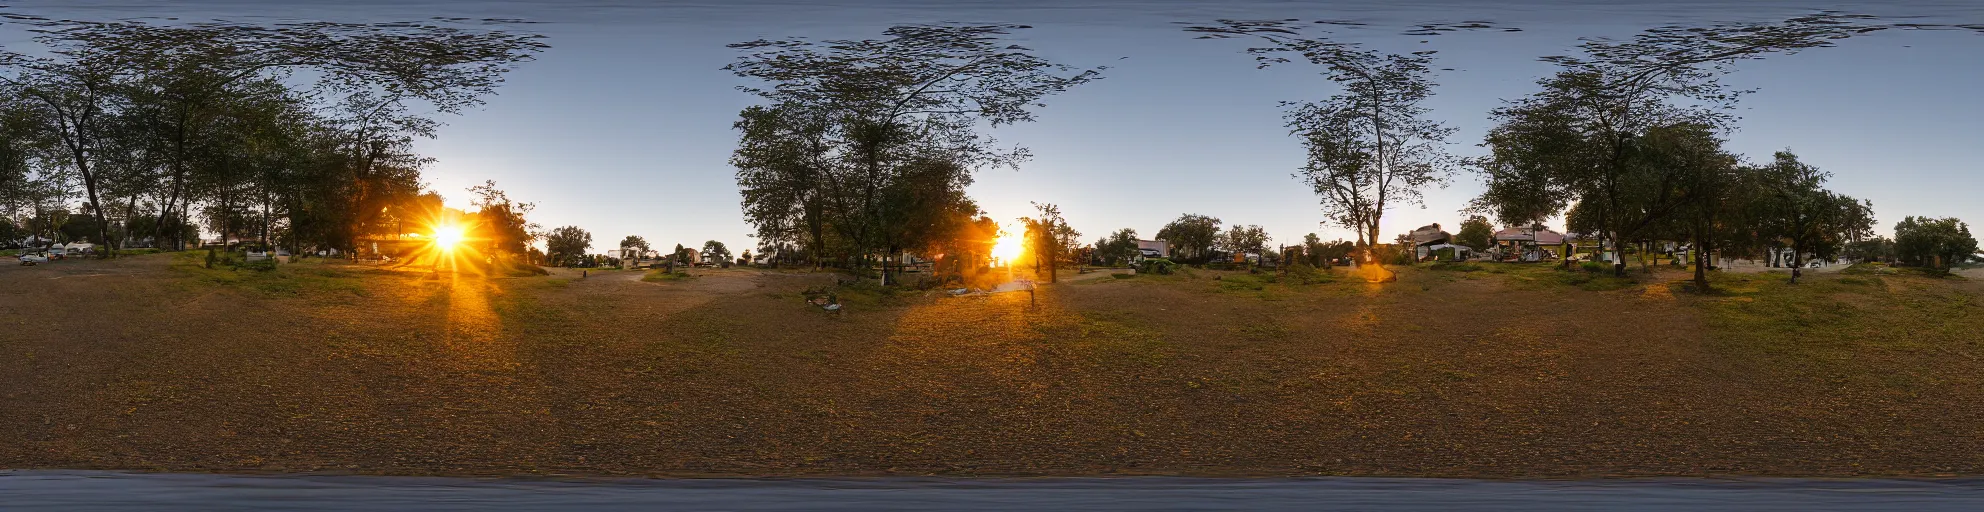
263, 276
567, 245
860, 149
1455, 267
311, 123
1118, 248
663, 275
1371, 146
1303, 273
1939, 243
715, 251
1475, 233
1192, 237
1159, 266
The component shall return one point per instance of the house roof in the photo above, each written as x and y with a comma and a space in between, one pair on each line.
1427, 234
1543, 237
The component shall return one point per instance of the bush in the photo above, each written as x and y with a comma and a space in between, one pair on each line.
1455, 267
1595, 267
1304, 274
1122, 276
261, 265
1156, 266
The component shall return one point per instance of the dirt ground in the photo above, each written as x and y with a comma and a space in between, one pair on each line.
129, 364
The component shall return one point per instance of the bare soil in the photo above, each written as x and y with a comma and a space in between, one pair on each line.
134, 364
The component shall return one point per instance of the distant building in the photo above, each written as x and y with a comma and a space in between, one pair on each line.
1528, 243
1428, 238
1153, 249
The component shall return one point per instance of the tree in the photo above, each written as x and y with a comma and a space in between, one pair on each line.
504, 230
1793, 206
1050, 239
1577, 143
1192, 234
134, 107
566, 245
1244, 239
850, 119
1118, 248
715, 251
1476, 233
1370, 146
635, 245
1936, 243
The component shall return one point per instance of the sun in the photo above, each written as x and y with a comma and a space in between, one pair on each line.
447, 237
1008, 248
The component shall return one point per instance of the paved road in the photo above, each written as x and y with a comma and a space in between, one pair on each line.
81, 490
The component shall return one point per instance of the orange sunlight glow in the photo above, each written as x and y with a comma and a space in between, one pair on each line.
447, 237
1008, 248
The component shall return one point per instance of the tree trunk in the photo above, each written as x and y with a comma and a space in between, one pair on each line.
1797, 261
1701, 265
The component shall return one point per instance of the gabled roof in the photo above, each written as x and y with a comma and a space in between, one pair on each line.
1523, 234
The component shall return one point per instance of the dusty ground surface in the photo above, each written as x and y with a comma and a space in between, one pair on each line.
1508, 370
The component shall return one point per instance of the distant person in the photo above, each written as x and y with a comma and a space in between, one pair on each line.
583, 273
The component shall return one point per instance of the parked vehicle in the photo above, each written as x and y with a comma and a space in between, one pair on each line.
34, 258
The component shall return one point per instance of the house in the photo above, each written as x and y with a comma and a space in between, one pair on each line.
1425, 240
1528, 243
1153, 249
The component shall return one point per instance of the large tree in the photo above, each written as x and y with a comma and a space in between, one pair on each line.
1244, 239
635, 245
1371, 146
1192, 237
1050, 239
1931, 242
1118, 248
1793, 209
716, 251
1476, 233
110, 89
566, 244
846, 120
1579, 142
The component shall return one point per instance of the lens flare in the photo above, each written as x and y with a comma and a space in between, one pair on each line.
1008, 248
447, 237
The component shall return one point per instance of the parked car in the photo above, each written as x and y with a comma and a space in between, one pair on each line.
34, 258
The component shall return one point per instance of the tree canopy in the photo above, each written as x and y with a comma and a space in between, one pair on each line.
867, 145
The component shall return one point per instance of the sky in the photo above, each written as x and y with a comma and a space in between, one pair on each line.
623, 127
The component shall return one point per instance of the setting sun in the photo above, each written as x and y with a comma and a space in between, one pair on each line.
1008, 248
447, 237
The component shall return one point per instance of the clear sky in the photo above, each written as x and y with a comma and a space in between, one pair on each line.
623, 126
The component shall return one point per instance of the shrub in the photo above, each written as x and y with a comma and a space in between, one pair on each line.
1595, 267
1455, 267
1156, 266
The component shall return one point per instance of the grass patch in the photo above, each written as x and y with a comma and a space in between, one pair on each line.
1450, 266
663, 275
1108, 338
268, 277
1824, 328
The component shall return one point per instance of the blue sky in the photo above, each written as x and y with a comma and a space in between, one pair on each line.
623, 126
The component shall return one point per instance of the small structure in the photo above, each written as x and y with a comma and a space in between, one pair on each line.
1528, 243
1425, 240
1153, 249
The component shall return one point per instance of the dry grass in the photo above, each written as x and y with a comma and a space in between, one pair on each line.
1500, 371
